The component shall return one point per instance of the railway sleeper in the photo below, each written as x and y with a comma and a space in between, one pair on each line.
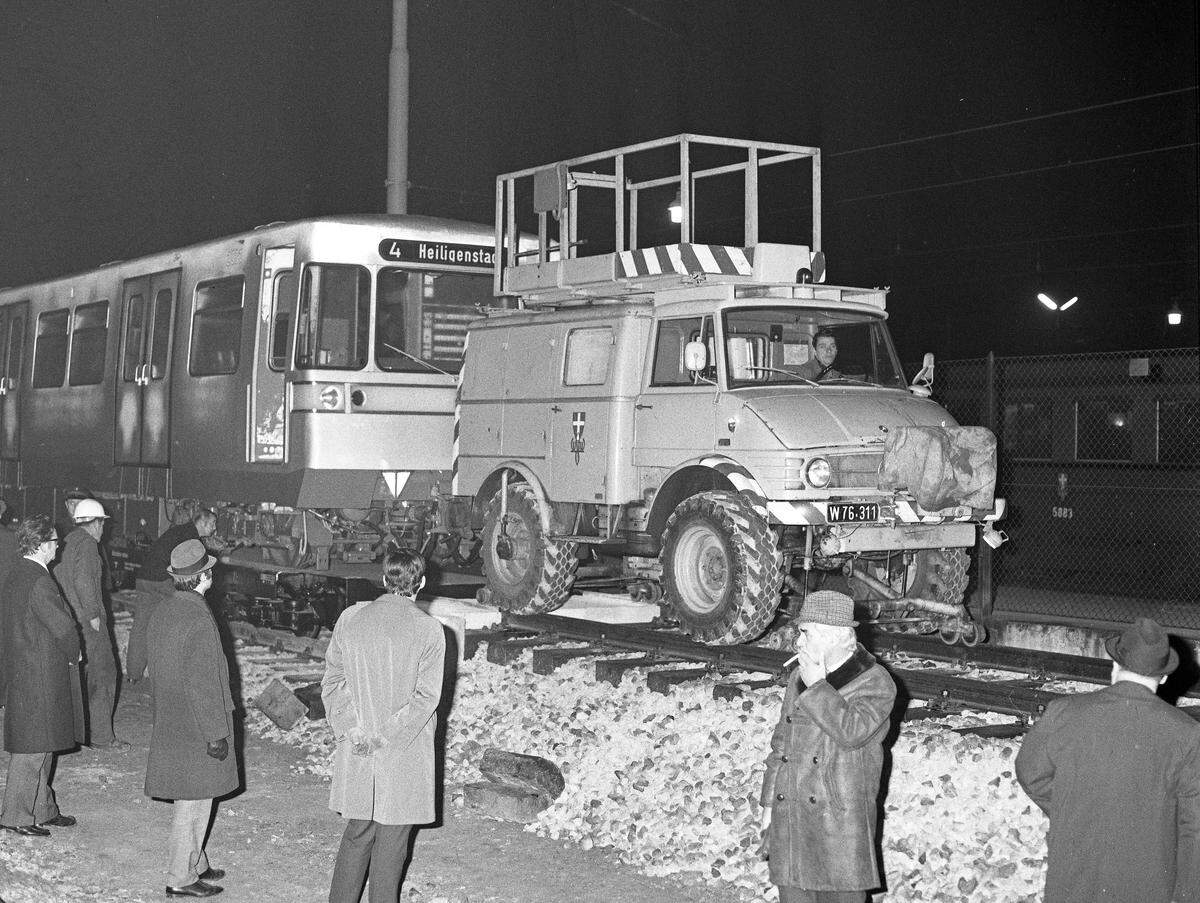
662, 681
611, 670
547, 661
738, 689
505, 652
472, 638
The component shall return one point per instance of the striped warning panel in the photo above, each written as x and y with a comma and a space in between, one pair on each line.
685, 259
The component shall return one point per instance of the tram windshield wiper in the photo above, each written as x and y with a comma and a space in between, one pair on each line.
413, 357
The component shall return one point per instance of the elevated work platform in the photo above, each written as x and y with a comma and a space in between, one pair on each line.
639, 219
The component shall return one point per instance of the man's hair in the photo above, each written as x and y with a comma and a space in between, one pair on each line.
823, 333
32, 531
402, 571
205, 515
190, 582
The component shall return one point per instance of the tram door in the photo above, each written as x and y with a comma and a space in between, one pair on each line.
12, 345
143, 383
272, 353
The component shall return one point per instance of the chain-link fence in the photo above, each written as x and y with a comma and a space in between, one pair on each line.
1100, 463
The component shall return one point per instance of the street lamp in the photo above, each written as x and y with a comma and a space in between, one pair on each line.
676, 209
1174, 315
1051, 304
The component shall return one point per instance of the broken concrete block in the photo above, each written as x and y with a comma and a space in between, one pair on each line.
504, 802
531, 773
280, 704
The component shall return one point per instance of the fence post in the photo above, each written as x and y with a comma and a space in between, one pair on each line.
986, 601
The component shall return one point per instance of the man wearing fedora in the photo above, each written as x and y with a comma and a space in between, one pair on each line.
1118, 773
822, 778
189, 760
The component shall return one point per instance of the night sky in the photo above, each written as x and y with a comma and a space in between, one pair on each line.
972, 151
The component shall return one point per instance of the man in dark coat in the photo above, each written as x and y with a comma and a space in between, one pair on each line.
8, 557
81, 576
1118, 773
189, 759
41, 649
822, 777
153, 583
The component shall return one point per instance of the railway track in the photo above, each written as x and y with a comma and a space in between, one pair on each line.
669, 658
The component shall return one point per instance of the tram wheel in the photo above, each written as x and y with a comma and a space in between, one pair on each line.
722, 568
526, 572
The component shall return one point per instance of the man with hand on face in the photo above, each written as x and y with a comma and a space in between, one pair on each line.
190, 758
822, 777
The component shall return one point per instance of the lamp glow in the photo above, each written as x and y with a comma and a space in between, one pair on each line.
1045, 299
1069, 303
676, 209
1174, 315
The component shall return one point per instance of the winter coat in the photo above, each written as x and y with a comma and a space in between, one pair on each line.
43, 700
191, 700
822, 777
383, 675
8, 557
80, 574
1118, 773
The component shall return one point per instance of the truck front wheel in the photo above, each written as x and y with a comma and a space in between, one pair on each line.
526, 572
722, 569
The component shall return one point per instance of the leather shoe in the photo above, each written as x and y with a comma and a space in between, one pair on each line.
59, 821
211, 874
28, 830
195, 889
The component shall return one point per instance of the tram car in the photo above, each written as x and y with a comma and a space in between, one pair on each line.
298, 378
1100, 462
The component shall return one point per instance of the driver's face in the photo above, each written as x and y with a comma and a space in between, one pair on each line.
826, 350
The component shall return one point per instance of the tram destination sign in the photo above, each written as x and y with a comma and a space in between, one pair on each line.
406, 250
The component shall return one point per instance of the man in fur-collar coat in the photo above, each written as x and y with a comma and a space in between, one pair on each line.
822, 777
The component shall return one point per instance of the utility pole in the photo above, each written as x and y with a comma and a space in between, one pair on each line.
397, 151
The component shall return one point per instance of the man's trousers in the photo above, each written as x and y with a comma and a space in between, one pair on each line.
372, 850
100, 673
28, 797
187, 858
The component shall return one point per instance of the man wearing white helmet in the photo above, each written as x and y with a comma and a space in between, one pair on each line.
80, 574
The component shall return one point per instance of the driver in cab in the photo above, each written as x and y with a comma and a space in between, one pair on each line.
820, 365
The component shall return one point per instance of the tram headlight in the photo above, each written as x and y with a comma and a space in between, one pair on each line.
817, 473
331, 398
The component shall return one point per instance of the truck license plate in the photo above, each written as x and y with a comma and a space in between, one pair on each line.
852, 512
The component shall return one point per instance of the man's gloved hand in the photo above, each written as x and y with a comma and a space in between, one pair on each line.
219, 749
764, 821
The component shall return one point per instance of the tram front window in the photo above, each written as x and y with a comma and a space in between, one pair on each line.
334, 325
421, 318
778, 345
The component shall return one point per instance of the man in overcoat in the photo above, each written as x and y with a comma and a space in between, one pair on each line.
81, 576
822, 777
43, 705
190, 758
1118, 773
383, 679
153, 583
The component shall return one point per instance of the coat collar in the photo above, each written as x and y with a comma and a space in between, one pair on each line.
1129, 689
859, 663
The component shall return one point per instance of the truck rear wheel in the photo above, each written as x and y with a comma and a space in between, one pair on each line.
526, 572
722, 569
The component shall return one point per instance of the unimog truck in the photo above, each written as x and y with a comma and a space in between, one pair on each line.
659, 415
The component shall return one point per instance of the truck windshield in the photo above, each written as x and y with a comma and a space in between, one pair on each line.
800, 346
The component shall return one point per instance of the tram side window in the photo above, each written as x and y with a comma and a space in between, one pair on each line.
281, 318
217, 327
1179, 431
89, 342
334, 321
588, 353
1103, 430
50, 353
425, 315
1027, 431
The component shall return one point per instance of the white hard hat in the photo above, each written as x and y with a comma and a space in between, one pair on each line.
88, 509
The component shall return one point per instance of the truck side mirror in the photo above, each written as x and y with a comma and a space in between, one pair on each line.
923, 381
695, 356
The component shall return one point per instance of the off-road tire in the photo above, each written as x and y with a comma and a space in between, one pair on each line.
939, 574
721, 568
538, 576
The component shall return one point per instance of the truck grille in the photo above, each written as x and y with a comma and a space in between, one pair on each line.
855, 470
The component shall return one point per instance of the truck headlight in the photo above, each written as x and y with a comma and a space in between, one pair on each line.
817, 473
793, 473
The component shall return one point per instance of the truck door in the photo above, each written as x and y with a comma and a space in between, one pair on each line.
674, 415
272, 347
12, 346
143, 402
579, 420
